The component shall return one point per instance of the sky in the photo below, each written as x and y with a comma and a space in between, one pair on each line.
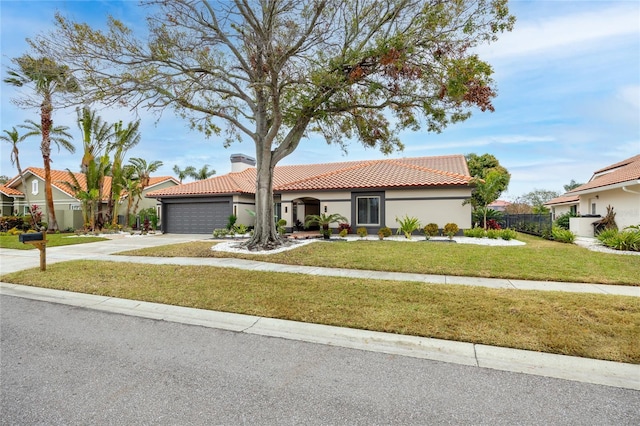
568, 83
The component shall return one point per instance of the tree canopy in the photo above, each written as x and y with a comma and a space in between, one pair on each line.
481, 167
276, 70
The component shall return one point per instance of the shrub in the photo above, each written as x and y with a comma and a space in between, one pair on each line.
343, 226
478, 216
493, 224
408, 225
15, 231
343, 232
220, 232
384, 232
362, 232
150, 214
241, 229
476, 232
628, 240
430, 230
282, 223
562, 235
508, 234
231, 220
493, 233
562, 221
450, 229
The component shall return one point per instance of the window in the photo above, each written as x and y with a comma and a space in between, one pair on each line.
368, 210
34, 187
593, 208
573, 210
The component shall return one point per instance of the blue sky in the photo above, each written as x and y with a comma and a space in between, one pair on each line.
568, 80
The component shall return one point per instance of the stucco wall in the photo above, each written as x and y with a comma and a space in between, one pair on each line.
625, 205
240, 205
437, 205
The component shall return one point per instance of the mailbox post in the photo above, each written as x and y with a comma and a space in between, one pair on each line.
38, 239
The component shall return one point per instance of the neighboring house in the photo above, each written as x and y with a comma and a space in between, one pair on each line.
67, 207
499, 205
617, 185
369, 194
563, 204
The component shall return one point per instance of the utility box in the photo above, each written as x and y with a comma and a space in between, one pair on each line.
34, 236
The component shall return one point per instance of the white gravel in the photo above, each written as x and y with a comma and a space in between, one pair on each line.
236, 246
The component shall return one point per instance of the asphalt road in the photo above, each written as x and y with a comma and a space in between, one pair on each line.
68, 365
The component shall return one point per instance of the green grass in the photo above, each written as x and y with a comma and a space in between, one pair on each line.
585, 325
539, 259
53, 240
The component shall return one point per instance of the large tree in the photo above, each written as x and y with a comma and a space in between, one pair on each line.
124, 139
47, 78
480, 166
273, 71
537, 198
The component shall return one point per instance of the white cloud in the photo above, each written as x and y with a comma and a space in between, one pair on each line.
566, 33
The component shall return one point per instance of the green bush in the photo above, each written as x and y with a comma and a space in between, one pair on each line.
562, 235
493, 234
508, 234
627, 240
241, 229
344, 232
220, 232
362, 232
430, 230
562, 221
476, 232
450, 229
281, 225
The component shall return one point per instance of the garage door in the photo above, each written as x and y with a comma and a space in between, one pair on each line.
196, 217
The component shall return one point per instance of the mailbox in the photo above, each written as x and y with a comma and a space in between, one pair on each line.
34, 236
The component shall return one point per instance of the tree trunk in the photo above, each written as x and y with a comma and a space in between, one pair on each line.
46, 124
265, 235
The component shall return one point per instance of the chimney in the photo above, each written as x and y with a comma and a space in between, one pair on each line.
241, 162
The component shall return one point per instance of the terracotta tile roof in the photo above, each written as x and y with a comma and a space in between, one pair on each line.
10, 191
624, 171
499, 203
563, 199
61, 180
389, 173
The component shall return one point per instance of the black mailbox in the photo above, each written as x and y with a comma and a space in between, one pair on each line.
34, 236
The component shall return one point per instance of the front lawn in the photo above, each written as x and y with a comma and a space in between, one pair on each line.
585, 325
539, 259
53, 240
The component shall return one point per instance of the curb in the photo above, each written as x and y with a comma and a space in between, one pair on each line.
585, 370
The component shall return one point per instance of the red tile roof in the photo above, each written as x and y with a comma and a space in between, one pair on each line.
624, 171
61, 180
563, 199
10, 191
389, 173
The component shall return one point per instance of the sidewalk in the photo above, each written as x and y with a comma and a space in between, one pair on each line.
528, 362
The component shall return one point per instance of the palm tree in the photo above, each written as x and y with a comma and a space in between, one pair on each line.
95, 135
203, 173
124, 139
324, 220
13, 137
48, 79
142, 172
187, 172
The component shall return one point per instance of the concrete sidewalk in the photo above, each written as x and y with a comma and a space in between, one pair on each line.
529, 362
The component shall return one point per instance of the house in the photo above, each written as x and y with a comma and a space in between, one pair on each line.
499, 205
617, 185
67, 207
370, 194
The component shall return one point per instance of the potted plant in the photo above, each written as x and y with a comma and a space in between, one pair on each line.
323, 221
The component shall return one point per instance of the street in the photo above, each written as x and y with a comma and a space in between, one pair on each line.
67, 365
